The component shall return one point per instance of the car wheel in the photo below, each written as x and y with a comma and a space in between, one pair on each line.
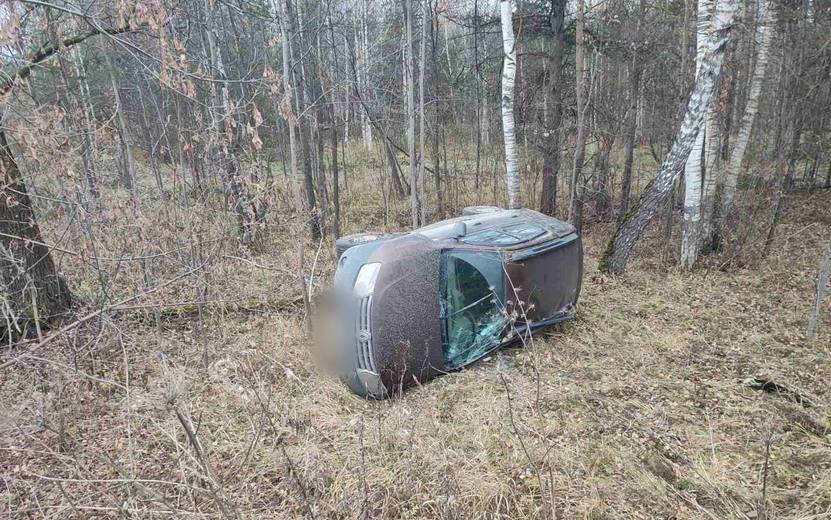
349, 241
479, 210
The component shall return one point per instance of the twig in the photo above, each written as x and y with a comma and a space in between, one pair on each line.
761, 506
226, 507
518, 434
100, 311
822, 287
314, 266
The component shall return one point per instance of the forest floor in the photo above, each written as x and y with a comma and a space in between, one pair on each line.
644, 406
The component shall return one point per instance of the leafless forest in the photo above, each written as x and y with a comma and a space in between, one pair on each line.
175, 173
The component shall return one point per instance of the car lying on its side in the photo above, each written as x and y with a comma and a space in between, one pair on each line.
423, 303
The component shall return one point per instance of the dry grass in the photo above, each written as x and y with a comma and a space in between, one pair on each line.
637, 409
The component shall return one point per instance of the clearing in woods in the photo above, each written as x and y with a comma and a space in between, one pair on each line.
672, 395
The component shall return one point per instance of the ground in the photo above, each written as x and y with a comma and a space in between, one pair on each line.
645, 406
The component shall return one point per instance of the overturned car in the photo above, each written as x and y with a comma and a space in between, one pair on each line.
416, 305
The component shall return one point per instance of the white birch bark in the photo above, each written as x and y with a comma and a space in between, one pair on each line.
764, 36
508, 77
654, 199
712, 132
691, 235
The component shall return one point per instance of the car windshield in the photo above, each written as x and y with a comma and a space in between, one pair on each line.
472, 305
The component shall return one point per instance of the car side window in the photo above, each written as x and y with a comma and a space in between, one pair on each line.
472, 294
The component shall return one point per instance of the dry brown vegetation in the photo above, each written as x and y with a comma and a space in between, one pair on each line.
643, 407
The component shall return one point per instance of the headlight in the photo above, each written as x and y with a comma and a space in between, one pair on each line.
365, 282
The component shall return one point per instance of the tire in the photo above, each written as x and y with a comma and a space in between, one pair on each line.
479, 210
349, 241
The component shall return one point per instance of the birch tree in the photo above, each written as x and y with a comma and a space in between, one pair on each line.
709, 177
616, 255
765, 31
693, 171
508, 77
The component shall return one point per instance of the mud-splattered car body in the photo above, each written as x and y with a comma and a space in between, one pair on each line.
441, 297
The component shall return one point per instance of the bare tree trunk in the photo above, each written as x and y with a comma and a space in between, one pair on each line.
152, 143
792, 117
89, 153
630, 136
711, 167
366, 125
334, 130
434, 68
129, 173
692, 201
31, 290
604, 200
486, 127
729, 120
335, 180
508, 77
395, 169
421, 129
223, 149
320, 169
551, 148
478, 85
291, 119
575, 204
409, 73
693, 170
616, 255
765, 32
299, 82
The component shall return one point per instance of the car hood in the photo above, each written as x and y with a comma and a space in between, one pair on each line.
405, 313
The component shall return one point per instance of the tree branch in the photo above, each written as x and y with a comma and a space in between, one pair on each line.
48, 50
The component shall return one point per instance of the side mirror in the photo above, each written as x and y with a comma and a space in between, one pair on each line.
459, 229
